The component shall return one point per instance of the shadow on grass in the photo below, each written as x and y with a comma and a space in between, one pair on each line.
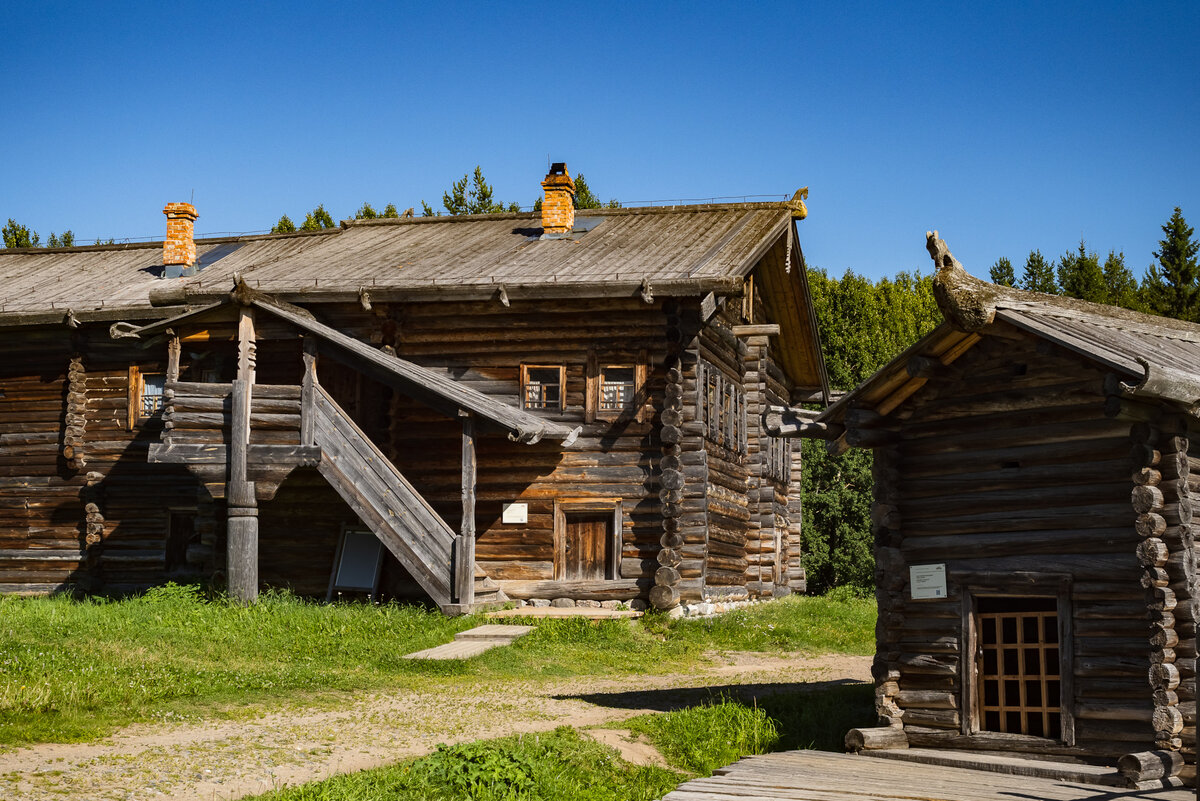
816, 715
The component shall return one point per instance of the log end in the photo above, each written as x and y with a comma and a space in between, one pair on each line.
875, 739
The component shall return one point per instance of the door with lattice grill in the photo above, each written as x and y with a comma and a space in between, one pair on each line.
1019, 666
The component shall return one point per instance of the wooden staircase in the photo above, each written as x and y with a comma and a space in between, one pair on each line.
389, 505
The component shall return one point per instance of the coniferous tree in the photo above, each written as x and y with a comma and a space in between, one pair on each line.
389, 212
19, 236
1121, 288
1080, 275
477, 198
67, 240
1038, 275
366, 212
1170, 287
317, 220
1002, 272
284, 226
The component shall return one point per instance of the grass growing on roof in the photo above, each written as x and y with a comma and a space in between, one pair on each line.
74, 670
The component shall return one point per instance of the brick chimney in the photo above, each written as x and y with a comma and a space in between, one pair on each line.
558, 207
179, 248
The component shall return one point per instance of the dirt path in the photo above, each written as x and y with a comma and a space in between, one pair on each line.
219, 760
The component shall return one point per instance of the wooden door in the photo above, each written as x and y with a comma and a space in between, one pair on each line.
586, 538
1019, 666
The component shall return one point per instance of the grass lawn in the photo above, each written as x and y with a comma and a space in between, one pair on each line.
565, 765
75, 670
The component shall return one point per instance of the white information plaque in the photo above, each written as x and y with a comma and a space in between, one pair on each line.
927, 581
515, 513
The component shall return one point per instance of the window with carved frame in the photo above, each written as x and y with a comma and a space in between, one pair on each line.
542, 386
615, 387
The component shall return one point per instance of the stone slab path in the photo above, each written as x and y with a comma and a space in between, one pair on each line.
474, 642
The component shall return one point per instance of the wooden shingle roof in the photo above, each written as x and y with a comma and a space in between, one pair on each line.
660, 250
1150, 357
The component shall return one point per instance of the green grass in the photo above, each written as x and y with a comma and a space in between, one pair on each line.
74, 670
560, 765
565, 765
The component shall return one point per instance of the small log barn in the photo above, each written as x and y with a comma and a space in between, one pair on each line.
1035, 464
517, 406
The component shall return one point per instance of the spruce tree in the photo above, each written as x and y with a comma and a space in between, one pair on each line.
1002, 272
1170, 287
1039, 274
1080, 275
317, 219
19, 236
1120, 287
284, 226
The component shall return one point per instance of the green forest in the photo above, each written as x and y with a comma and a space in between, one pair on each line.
864, 324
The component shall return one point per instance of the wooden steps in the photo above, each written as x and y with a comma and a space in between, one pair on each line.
1102, 775
824, 776
474, 642
383, 499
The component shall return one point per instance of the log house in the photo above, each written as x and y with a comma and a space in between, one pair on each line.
1034, 462
517, 406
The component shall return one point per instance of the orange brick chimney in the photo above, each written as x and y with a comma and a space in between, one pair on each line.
558, 207
179, 248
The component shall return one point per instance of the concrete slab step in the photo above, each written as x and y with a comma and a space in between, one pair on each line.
494, 631
474, 642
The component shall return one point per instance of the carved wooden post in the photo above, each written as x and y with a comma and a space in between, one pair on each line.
464, 550
307, 392
242, 514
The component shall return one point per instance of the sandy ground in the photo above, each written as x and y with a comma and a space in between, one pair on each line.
228, 759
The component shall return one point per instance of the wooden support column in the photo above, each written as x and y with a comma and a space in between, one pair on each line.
307, 391
172, 376
242, 507
464, 545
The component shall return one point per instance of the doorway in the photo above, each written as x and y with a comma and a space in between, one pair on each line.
587, 542
1019, 666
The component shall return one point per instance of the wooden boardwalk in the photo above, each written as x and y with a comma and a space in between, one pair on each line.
824, 776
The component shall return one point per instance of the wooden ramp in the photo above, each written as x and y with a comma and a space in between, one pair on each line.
824, 776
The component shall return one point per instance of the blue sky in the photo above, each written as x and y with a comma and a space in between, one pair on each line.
1006, 126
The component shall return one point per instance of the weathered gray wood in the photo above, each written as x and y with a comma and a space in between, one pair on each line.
384, 499
295, 455
879, 737
307, 415
598, 590
241, 503
465, 551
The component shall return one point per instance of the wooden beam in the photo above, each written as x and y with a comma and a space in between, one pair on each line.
763, 330
464, 564
213, 453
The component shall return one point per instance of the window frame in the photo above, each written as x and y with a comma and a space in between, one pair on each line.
137, 391
562, 387
594, 390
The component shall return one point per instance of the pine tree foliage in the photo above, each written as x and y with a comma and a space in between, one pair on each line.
1080, 275
1002, 272
1170, 287
67, 240
863, 325
318, 219
1038, 275
284, 226
584, 197
471, 194
19, 236
1120, 287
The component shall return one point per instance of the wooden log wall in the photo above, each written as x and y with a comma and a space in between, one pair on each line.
482, 345
726, 509
674, 548
1005, 468
79, 506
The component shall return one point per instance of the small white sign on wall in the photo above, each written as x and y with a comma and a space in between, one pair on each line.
515, 513
927, 581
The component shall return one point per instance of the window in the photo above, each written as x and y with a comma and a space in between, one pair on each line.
779, 460
145, 395
617, 387
721, 408
542, 387
615, 390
